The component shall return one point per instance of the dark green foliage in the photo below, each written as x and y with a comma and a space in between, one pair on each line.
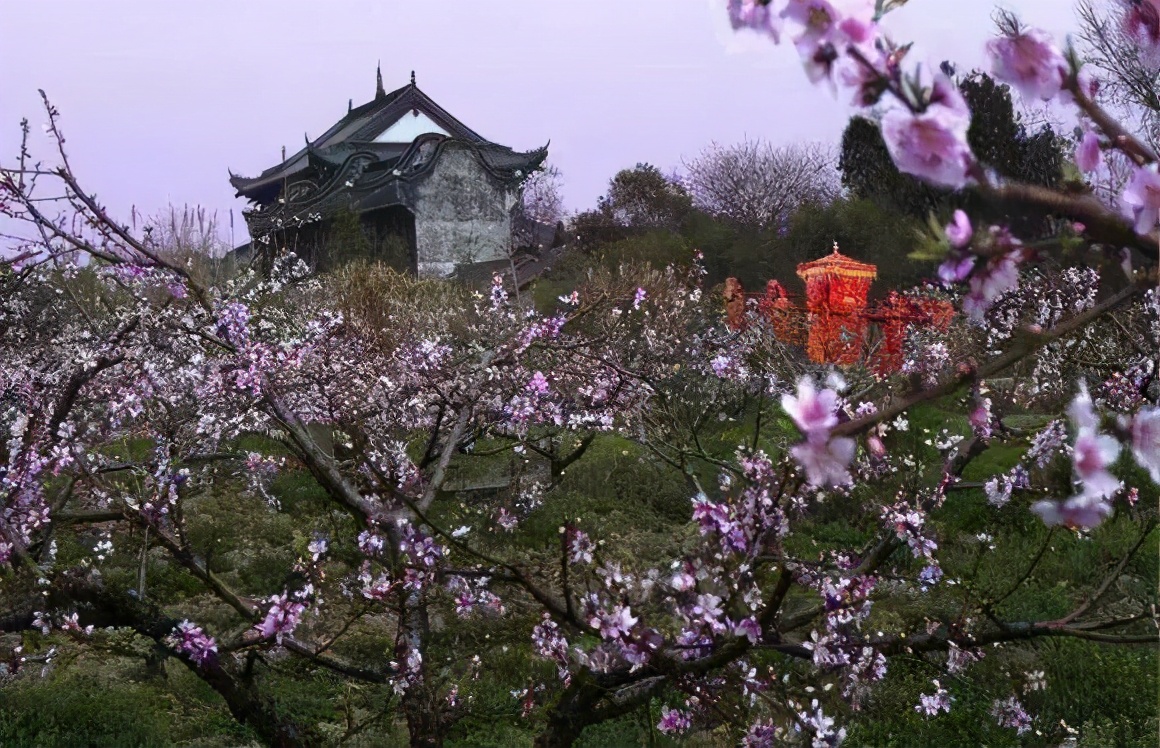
593, 228
1107, 693
869, 172
1092, 684
630, 731
863, 229
638, 200
77, 711
1001, 140
643, 198
348, 237
345, 239
87, 709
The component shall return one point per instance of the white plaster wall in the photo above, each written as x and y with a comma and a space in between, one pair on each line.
409, 127
460, 215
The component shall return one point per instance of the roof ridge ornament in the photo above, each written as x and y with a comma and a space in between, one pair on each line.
380, 92
412, 79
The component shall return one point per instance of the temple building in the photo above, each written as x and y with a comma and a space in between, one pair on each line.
422, 187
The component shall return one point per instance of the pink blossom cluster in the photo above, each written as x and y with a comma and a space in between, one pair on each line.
190, 639
674, 721
580, 546
1140, 22
375, 587
1043, 299
234, 323
980, 417
1124, 390
821, 729
371, 543
613, 623
825, 460
931, 704
408, 666
729, 366
999, 488
745, 514
999, 276
471, 597
421, 554
506, 519
840, 42
958, 659
281, 618
1010, 713
24, 507
867, 667
907, 522
549, 642
499, 296
1030, 61
926, 358
846, 599
846, 606
932, 143
720, 519
1144, 428
164, 486
545, 329
1092, 455
763, 734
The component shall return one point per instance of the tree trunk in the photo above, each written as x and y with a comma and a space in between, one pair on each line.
423, 717
421, 703
592, 699
572, 713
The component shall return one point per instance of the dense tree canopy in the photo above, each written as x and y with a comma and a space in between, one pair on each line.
638, 200
755, 185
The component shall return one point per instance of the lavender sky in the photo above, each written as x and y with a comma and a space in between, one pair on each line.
158, 99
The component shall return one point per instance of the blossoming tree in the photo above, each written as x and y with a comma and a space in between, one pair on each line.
134, 397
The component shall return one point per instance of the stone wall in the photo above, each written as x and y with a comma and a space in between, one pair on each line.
462, 215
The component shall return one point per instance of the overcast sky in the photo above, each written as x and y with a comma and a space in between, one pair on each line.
159, 98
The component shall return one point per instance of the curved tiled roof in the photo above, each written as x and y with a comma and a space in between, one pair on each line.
837, 264
360, 126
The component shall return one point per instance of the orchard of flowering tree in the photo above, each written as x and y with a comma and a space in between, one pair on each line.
262, 507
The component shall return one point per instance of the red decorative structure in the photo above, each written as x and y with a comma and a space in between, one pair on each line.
836, 314
783, 316
734, 304
894, 316
836, 290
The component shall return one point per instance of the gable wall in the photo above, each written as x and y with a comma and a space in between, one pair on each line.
410, 126
461, 214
